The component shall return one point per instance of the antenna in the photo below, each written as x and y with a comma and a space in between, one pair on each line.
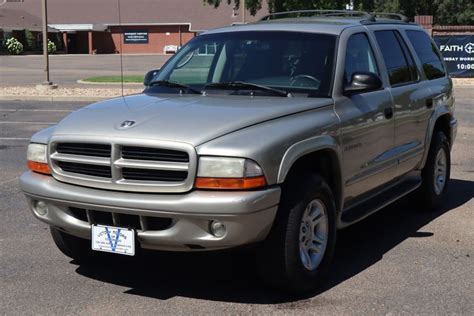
120, 44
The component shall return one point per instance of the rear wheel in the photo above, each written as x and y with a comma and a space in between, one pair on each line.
76, 248
436, 173
297, 253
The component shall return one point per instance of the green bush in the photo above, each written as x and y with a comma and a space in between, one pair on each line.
51, 47
13, 46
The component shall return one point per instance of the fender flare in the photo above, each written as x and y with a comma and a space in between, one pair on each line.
308, 146
439, 112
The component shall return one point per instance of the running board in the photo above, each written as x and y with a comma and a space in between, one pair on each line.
378, 202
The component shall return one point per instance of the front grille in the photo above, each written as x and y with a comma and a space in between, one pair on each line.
90, 170
157, 154
82, 149
153, 175
124, 165
136, 222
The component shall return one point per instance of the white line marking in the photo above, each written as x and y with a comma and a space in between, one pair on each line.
14, 138
36, 123
34, 110
10, 180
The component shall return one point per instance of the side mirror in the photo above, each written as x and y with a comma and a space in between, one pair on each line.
149, 77
363, 82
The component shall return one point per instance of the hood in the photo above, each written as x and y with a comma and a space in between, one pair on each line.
192, 119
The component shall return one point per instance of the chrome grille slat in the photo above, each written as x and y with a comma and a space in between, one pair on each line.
81, 159
151, 166
137, 164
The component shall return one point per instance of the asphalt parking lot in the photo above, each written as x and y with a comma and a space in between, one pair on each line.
67, 69
402, 260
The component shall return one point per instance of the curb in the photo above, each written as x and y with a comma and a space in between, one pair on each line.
53, 98
110, 83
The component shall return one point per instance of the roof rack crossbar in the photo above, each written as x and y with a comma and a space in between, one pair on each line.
326, 13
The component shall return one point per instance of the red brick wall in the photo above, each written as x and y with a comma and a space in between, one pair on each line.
158, 37
426, 21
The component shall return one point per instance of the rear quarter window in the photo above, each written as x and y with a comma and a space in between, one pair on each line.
428, 54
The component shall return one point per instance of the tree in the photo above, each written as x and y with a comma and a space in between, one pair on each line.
448, 12
284, 5
251, 5
454, 12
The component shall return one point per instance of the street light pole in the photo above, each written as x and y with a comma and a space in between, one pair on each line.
45, 41
47, 83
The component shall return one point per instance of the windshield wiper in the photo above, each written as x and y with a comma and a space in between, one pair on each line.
173, 84
246, 85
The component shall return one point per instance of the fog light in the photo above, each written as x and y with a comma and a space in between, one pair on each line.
41, 208
218, 229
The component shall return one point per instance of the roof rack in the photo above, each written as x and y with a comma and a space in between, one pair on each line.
323, 13
392, 16
365, 17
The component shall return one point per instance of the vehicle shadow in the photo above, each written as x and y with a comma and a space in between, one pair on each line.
230, 276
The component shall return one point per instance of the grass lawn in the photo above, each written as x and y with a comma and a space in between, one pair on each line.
115, 79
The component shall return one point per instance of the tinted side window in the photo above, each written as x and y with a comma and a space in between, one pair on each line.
400, 66
428, 54
359, 56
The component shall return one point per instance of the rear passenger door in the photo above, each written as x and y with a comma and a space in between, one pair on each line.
410, 97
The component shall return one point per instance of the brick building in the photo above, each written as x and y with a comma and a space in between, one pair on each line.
144, 26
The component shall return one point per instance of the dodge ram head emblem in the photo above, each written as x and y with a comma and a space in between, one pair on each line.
127, 124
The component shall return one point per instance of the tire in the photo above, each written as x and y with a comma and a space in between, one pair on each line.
435, 181
75, 248
280, 261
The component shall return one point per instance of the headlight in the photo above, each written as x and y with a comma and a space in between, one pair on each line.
229, 174
37, 160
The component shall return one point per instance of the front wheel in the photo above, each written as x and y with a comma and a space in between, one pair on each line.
297, 253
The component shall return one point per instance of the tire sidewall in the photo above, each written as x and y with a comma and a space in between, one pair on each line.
440, 142
294, 203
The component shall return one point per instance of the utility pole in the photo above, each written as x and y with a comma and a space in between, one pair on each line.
47, 84
243, 11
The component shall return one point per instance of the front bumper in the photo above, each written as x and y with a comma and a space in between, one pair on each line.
247, 215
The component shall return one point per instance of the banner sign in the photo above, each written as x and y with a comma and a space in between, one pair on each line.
135, 37
458, 52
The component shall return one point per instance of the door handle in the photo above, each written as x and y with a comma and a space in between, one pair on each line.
429, 103
388, 112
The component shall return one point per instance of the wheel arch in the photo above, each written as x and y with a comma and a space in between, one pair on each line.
443, 121
321, 155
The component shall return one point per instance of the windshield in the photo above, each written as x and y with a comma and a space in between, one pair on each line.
290, 61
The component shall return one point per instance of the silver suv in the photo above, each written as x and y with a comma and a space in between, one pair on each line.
275, 134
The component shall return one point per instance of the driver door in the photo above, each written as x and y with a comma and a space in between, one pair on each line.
367, 126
